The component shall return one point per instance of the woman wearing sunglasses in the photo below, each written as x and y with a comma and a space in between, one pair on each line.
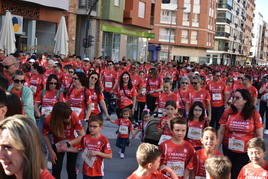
78, 96
97, 97
23, 92
183, 94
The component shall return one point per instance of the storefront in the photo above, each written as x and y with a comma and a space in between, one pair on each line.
35, 22
120, 41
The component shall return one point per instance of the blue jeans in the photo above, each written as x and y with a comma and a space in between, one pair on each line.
88, 177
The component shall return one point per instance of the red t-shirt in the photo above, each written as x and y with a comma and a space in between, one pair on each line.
69, 130
48, 100
154, 175
141, 97
251, 172
202, 95
95, 102
78, 100
166, 129
216, 90
253, 91
178, 156
154, 84
239, 131
183, 97
201, 158
194, 133
101, 144
135, 80
46, 175
109, 78
36, 83
164, 97
125, 98
125, 126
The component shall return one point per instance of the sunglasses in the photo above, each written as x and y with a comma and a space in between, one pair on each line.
93, 78
194, 83
240, 78
51, 83
19, 81
71, 71
184, 83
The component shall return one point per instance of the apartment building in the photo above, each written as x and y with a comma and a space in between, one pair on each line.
233, 32
120, 29
259, 49
184, 30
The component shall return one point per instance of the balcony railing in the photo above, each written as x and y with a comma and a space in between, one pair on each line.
86, 4
222, 34
225, 6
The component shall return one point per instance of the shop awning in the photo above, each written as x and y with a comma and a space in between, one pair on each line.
122, 30
60, 4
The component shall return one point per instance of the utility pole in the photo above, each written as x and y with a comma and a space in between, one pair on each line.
91, 7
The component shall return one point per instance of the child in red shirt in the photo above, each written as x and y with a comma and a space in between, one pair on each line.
196, 124
209, 141
125, 127
258, 167
97, 148
177, 153
148, 157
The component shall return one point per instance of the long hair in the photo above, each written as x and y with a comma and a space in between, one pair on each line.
248, 108
23, 136
97, 84
82, 77
121, 82
49, 78
59, 112
191, 112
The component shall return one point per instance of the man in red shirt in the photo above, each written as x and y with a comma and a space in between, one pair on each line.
247, 81
216, 88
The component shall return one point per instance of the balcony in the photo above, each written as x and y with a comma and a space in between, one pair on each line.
221, 19
225, 6
222, 34
85, 5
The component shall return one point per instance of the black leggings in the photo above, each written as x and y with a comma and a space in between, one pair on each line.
71, 163
238, 160
150, 101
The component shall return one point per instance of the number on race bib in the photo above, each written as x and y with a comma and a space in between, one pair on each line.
46, 110
177, 167
237, 145
108, 84
194, 133
123, 129
216, 97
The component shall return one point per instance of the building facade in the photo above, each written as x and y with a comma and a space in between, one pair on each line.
36, 26
184, 30
120, 29
233, 32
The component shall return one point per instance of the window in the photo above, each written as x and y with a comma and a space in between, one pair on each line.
166, 16
194, 37
111, 45
187, 5
195, 21
117, 2
184, 36
186, 19
132, 47
141, 10
166, 35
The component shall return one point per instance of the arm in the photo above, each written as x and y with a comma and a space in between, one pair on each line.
169, 171
50, 149
221, 134
104, 107
101, 154
259, 132
76, 140
36, 109
88, 111
227, 95
134, 104
209, 110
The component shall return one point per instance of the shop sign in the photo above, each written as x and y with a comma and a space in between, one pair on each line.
17, 24
121, 30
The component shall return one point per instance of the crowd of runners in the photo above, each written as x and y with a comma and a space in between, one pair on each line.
189, 113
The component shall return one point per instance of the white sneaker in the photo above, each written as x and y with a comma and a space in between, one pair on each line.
265, 131
122, 155
49, 165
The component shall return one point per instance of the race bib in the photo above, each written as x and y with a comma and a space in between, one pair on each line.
216, 96
194, 133
198, 177
123, 129
46, 110
76, 110
33, 88
177, 167
237, 145
163, 138
92, 106
108, 84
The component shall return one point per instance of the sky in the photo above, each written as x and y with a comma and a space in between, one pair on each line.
261, 6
